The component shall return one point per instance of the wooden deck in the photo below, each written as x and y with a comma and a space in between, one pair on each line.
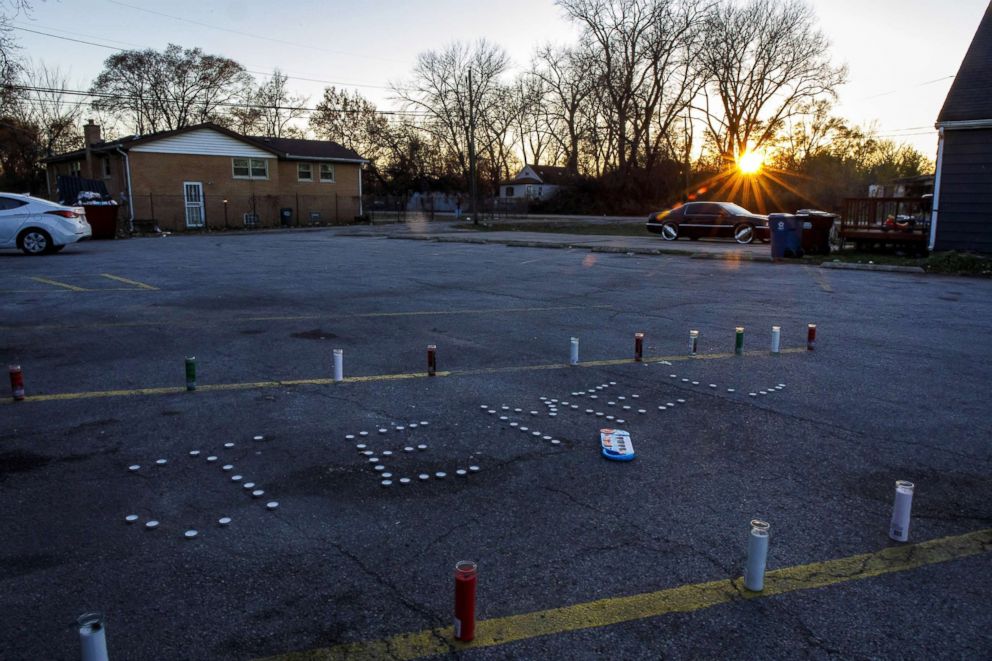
864, 222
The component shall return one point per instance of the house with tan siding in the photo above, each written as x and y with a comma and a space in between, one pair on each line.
206, 176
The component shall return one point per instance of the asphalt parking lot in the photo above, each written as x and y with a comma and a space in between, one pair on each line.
579, 557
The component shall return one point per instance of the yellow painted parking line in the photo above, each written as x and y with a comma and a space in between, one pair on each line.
682, 599
218, 387
372, 378
56, 283
126, 281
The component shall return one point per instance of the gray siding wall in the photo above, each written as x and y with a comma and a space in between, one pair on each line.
964, 220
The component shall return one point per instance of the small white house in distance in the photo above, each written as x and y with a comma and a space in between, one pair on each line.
535, 182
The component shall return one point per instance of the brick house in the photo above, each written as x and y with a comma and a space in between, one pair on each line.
208, 176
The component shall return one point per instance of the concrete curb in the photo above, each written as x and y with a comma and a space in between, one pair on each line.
732, 256
890, 268
514, 243
622, 250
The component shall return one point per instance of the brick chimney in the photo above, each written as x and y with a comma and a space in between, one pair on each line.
91, 133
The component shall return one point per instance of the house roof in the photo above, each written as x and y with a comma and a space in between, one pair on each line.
551, 174
282, 148
293, 148
969, 98
546, 174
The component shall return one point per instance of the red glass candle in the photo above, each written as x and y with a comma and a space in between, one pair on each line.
16, 382
465, 582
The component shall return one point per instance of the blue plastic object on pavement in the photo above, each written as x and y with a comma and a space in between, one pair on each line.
786, 233
616, 445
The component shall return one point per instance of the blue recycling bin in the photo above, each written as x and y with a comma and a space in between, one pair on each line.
786, 233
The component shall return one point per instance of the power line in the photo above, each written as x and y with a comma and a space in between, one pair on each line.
903, 89
35, 24
906, 135
250, 34
911, 128
78, 41
255, 106
259, 73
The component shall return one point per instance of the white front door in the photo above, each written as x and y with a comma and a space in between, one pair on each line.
193, 192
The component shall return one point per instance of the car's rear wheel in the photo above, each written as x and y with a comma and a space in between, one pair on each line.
669, 231
744, 233
34, 242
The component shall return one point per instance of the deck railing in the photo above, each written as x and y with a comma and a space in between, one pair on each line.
866, 215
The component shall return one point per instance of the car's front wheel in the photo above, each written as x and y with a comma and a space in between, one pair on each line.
744, 233
669, 231
34, 242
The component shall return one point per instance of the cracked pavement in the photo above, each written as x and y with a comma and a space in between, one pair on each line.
897, 389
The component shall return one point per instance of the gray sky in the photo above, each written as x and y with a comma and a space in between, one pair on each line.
892, 47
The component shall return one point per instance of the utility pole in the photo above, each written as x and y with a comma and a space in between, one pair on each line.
471, 151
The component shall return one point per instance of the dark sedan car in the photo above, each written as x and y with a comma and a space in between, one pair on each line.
696, 220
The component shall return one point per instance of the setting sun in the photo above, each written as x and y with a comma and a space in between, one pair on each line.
750, 162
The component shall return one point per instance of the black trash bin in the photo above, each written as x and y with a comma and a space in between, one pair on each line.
817, 226
102, 219
786, 233
286, 216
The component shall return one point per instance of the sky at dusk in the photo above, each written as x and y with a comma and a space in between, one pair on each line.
901, 53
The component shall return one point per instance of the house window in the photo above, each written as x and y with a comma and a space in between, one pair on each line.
75, 168
304, 172
250, 168
509, 191
327, 172
106, 168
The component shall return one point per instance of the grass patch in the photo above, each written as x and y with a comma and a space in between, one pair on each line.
959, 263
604, 229
855, 257
952, 263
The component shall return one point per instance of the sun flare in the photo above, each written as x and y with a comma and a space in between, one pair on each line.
750, 162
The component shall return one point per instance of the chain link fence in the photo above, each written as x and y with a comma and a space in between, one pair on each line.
177, 213
407, 208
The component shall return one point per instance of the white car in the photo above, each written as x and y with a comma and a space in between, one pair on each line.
38, 226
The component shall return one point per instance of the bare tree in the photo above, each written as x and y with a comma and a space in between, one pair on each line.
45, 121
278, 108
566, 77
177, 87
243, 115
762, 60
642, 51
495, 139
440, 89
56, 115
813, 127
353, 121
10, 67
